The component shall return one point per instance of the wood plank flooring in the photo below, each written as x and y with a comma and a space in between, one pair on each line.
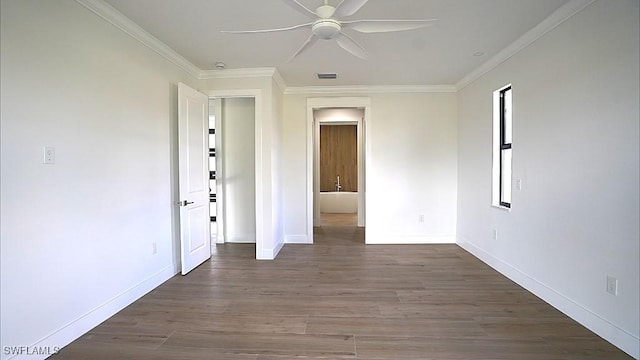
340, 299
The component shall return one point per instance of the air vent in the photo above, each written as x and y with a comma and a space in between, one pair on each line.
325, 76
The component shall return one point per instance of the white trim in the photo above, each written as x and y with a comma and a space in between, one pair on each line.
269, 253
407, 240
113, 16
246, 239
316, 167
296, 239
84, 323
624, 340
373, 89
237, 73
559, 16
233, 93
221, 230
271, 72
277, 78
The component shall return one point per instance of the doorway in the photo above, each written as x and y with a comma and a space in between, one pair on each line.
338, 165
232, 169
255, 153
315, 107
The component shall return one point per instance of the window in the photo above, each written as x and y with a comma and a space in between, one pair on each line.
502, 140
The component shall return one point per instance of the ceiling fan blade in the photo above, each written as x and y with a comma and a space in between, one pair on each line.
266, 30
310, 41
349, 7
300, 8
347, 43
378, 26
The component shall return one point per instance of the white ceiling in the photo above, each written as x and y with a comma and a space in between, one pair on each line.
441, 54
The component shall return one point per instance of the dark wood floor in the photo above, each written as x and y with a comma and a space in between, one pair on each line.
340, 299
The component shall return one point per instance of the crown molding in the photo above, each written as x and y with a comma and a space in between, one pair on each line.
559, 16
271, 72
371, 89
236, 73
279, 81
113, 16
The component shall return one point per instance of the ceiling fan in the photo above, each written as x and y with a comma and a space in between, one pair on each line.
326, 25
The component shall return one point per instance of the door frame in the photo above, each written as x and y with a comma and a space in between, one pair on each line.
256, 94
220, 205
313, 144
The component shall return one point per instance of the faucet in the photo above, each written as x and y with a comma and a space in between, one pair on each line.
337, 184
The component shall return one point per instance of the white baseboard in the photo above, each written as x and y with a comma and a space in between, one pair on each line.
296, 239
241, 240
277, 249
78, 327
216, 239
269, 254
396, 240
605, 329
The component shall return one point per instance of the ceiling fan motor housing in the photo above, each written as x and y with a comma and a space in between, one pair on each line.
326, 28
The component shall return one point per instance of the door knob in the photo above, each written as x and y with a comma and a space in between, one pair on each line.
185, 202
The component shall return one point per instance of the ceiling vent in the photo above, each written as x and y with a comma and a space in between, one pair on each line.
325, 76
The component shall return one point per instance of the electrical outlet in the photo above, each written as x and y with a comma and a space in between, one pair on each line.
495, 234
155, 248
612, 285
421, 218
49, 155
519, 184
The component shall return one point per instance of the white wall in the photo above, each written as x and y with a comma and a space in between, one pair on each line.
294, 168
575, 147
238, 175
339, 115
77, 236
411, 167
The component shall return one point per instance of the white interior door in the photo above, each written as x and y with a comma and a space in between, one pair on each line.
193, 163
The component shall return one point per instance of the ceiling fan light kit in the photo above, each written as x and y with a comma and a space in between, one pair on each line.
326, 27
